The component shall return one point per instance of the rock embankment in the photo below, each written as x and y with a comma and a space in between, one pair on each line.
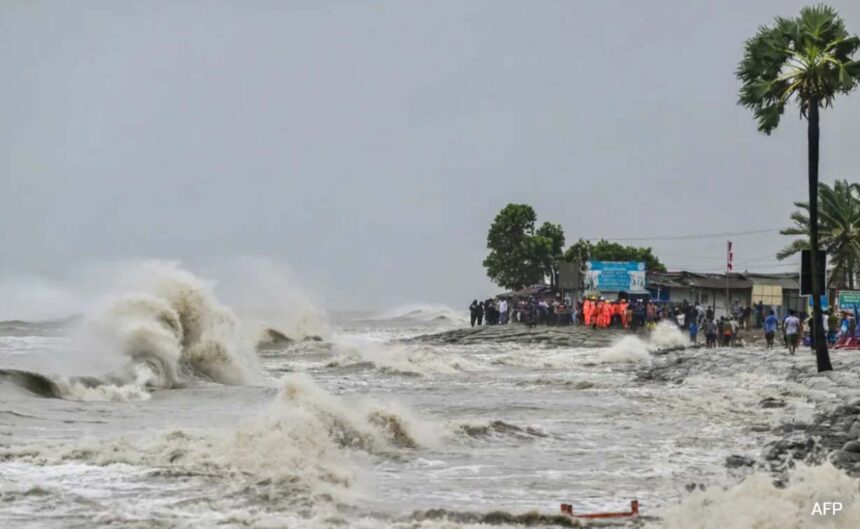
565, 336
833, 434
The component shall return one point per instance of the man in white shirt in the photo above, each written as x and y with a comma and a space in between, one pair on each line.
503, 311
793, 328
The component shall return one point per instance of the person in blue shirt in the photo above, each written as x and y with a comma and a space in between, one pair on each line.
694, 331
770, 324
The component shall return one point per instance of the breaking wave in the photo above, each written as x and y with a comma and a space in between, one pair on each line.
759, 502
425, 313
175, 327
498, 429
633, 349
299, 446
165, 330
628, 349
398, 358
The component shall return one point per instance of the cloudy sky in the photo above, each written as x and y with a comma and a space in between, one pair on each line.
368, 145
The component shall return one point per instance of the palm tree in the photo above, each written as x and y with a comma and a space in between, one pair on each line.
838, 230
808, 59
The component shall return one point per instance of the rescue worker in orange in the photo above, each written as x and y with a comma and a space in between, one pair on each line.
608, 310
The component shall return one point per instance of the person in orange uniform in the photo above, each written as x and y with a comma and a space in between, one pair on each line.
622, 312
608, 309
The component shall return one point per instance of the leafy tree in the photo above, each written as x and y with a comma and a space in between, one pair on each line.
810, 59
838, 230
553, 238
605, 250
519, 256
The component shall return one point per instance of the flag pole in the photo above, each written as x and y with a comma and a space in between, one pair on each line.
728, 271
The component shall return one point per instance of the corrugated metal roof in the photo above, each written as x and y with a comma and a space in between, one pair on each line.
789, 280
665, 279
734, 281
696, 280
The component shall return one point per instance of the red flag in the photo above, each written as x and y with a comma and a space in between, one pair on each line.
730, 257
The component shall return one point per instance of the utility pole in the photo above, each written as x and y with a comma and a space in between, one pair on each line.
729, 259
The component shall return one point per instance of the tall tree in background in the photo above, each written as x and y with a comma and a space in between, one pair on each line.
553, 236
604, 250
838, 230
809, 59
519, 256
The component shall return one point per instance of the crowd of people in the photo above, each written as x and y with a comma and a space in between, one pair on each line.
841, 326
530, 311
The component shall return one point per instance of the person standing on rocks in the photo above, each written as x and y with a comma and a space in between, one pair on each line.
480, 313
503, 311
473, 312
793, 329
770, 325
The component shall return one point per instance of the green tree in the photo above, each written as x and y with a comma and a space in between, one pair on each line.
808, 59
553, 239
605, 250
519, 256
838, 230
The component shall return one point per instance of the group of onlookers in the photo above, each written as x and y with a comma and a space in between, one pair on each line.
842, 328
531, 311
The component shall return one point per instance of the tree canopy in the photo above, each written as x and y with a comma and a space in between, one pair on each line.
521, 256
838, 228
809, 58
604, 250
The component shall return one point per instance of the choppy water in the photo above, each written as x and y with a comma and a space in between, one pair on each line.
358, 429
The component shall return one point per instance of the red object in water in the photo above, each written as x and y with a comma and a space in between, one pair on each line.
567, 509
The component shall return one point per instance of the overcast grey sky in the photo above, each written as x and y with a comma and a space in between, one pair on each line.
368, 145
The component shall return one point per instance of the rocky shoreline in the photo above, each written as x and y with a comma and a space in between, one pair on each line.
832, 434
562, 336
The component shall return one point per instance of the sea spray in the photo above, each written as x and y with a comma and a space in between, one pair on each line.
667, 335
633, 349
399, 358
757, 502
267, 294
628, 349
306, 445
170, 322
423, 313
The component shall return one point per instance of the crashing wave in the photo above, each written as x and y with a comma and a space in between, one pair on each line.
299, 445
170, 330
498, 429
760, 502
633, 349
425, 313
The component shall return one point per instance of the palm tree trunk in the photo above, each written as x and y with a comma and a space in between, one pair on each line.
822, 357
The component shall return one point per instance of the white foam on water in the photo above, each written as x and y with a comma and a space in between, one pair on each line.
629, 349
425, 313
757, 503
667, 334
164, 328
633, 349
406, 359
306, 445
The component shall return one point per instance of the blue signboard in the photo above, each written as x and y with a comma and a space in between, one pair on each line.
615, 276
825, 303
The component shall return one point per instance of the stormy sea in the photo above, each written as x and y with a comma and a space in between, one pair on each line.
164, 406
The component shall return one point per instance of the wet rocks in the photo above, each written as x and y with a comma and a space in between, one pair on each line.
771, 402
852, 446
736, 461
564, 336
